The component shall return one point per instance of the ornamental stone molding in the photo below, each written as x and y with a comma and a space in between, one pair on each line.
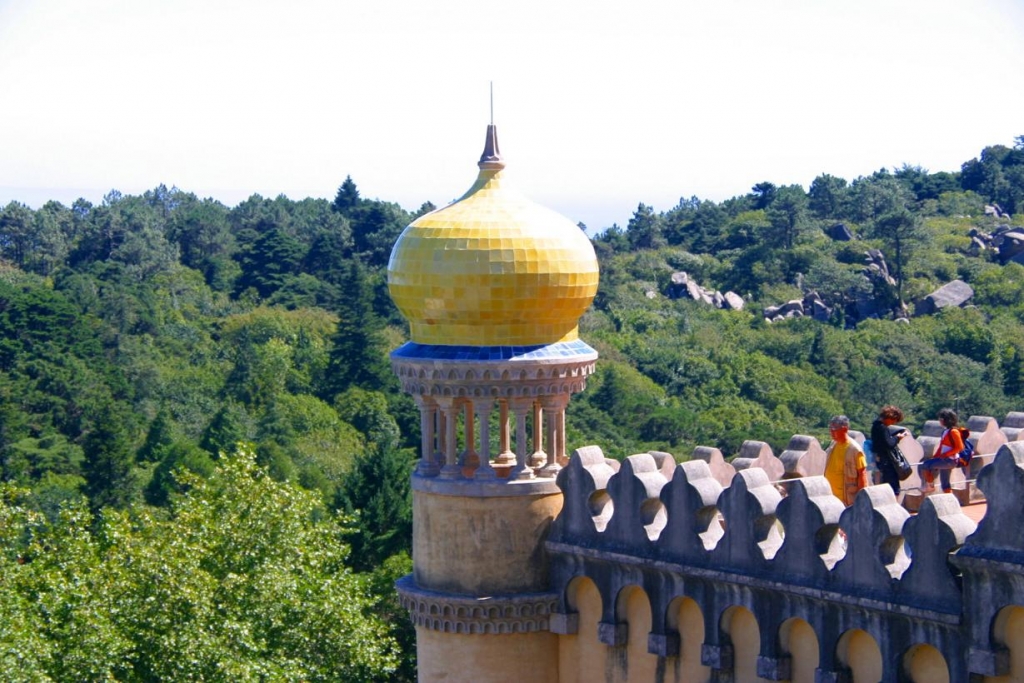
493, 380
494, 615
499, 372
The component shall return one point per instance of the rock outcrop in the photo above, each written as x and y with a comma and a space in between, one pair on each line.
682, 286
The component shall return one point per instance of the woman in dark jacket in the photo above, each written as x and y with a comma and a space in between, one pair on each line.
883, 440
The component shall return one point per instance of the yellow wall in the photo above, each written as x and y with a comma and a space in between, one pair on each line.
925, 664
640, 665
689, 621
581, 657
1009, 630
512, 658
859, 651
800, 641
740, 624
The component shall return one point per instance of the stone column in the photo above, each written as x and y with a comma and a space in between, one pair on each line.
521, 407
560, 457
538, 457
438, 436
452, 469
469, 456
427, 466
506, 456
485, 471
554, 411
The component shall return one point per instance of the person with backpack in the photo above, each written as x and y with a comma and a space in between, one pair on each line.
948, 455
884, 440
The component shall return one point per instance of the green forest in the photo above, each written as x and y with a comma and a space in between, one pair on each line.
205, 457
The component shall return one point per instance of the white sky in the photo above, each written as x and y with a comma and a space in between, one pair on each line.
599, 105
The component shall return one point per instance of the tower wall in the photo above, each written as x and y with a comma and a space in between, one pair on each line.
512, 658
483, 545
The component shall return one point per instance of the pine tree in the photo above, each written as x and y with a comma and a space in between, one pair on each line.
224, 432
269, 262
378, 489
358, 355
347, 197
159, 437
108, 460
1013, 379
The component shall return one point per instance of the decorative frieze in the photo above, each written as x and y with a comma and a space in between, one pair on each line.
495, 615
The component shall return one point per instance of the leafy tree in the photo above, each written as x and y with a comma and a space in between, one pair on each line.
305, 291
610, 241
1013, 382
876, 195
319, 443
998, 175
30, 459
246, 579
967, 333
367, 411
427, 207
177, 457
677, 223
836, 283
926, 185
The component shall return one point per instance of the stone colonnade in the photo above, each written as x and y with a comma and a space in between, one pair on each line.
459, 396
441, 456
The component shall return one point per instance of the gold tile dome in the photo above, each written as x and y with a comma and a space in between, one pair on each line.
492, 268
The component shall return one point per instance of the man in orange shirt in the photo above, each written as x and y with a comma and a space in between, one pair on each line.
845, 468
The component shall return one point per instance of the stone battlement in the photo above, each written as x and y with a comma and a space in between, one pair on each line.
934, 578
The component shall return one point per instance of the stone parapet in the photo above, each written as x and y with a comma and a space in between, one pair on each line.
935, 578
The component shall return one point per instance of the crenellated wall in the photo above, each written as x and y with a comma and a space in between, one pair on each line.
647, 558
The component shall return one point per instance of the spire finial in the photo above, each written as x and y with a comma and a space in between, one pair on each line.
491, 158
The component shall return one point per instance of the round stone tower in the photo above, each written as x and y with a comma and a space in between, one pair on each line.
493, 287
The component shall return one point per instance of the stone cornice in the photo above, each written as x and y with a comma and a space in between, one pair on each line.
475, 488
494, 379
495, 615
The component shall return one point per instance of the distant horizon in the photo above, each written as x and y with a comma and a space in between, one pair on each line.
599, 106
35, 198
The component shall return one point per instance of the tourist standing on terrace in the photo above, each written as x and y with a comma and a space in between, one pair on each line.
845, 469
883, 441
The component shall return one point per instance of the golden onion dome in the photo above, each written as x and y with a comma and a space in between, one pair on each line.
492, 268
